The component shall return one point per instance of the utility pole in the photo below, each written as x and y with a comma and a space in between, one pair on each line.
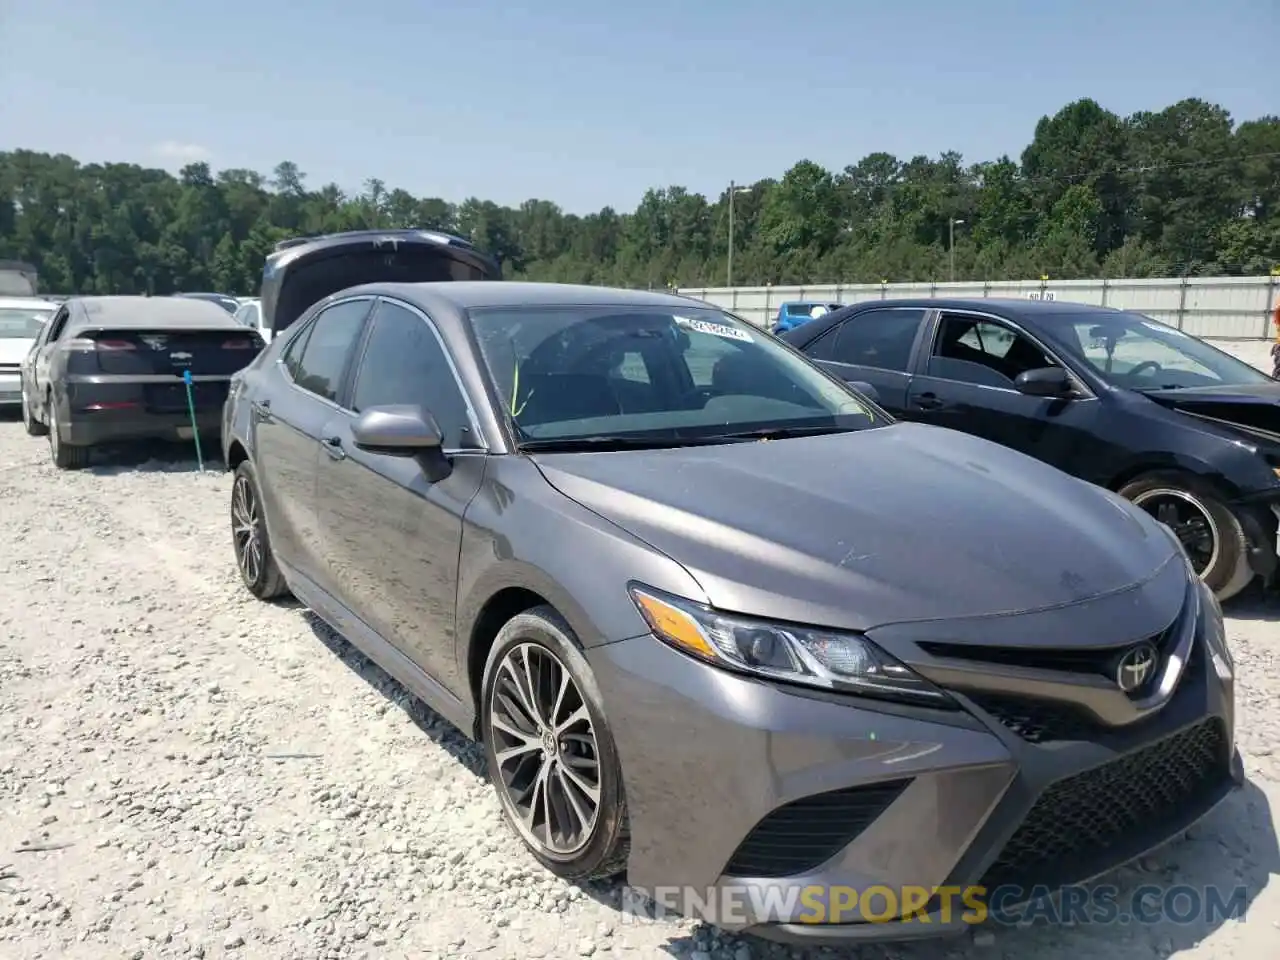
733, 190
951, 246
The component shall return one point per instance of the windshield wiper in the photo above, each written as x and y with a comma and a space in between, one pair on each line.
606, 442
783, 433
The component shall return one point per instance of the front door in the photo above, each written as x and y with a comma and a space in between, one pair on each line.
392, 537
874, 346
968, 385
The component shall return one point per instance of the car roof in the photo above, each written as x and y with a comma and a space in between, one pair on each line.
27, 303
1047, 310
137, 312
463, 295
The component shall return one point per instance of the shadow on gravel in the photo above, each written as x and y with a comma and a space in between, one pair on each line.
1194, 885
154, 457
441, 731
1254, 604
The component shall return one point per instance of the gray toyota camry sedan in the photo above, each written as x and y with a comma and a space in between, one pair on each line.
718, 621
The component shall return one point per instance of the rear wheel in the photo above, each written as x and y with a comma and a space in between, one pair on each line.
254, 559
550, 750
30, 424
66, 456
1206, 527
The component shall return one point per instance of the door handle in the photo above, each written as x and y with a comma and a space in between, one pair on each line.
261, 410
333, 447
928, 401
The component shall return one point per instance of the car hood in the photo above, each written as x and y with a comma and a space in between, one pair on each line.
13, 350
1253, 407
858, 530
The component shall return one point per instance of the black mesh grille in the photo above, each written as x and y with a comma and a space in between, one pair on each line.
1077, 821
1038, 721
808, 832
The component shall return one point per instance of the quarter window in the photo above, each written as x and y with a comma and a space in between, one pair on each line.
327, 348
877, 338
404, 364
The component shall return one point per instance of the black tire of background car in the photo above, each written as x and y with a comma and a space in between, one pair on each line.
1230, 572
270, 582
33, 426
605, 855
65, 456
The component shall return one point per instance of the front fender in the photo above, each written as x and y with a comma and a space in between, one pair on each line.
521, 532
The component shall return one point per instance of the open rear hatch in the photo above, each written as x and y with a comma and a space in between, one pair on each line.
303, 271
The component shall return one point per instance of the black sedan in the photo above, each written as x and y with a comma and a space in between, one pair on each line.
1179, 427
109, 370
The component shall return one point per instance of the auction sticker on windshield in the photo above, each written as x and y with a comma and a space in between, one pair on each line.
715, 329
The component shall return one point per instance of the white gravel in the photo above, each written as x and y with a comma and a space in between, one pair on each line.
186, 772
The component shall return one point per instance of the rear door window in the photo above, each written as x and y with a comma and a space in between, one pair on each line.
329, 345
878, 338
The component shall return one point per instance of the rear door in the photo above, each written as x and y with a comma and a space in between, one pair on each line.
392, 536
876, 346
288, 422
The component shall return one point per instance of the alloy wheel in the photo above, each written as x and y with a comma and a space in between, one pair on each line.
1190, 521
246, 530
545, 748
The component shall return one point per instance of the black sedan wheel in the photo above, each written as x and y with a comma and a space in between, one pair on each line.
254, 558
1206, 527
550, 751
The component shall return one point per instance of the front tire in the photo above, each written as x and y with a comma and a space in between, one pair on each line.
254, 559
550, 750
1209, 531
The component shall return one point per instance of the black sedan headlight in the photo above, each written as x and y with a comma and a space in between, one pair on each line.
811, 656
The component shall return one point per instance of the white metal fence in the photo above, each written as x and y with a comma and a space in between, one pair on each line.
1229, 308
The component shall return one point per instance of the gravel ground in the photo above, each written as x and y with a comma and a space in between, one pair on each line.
186, 772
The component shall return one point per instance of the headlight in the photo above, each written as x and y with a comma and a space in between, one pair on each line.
817, 658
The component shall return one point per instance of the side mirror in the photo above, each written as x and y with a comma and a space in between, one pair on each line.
406, 431
1045, 382
866, 389
403, 431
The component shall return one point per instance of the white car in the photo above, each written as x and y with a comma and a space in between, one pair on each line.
21, 319
250, 315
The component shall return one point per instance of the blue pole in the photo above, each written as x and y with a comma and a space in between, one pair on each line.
191, 408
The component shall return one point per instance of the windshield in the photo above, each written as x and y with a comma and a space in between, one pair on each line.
22, 323
577, 373
1135, 352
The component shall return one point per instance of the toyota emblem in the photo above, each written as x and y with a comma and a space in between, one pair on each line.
1136, 667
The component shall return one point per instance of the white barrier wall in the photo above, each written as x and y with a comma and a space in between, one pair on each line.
1231, 308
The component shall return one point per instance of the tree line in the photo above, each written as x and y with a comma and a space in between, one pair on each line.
1182, 191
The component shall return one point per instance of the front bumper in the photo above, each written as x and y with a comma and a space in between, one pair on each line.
1260, 520
780, 811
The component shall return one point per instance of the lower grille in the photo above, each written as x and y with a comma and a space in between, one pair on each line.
1078, 822
808, 832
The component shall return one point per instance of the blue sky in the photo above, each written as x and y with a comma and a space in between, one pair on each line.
590, 103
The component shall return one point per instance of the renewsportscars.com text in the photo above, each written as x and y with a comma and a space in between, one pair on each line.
1010, 905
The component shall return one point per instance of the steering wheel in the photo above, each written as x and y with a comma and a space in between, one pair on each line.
1137, 369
